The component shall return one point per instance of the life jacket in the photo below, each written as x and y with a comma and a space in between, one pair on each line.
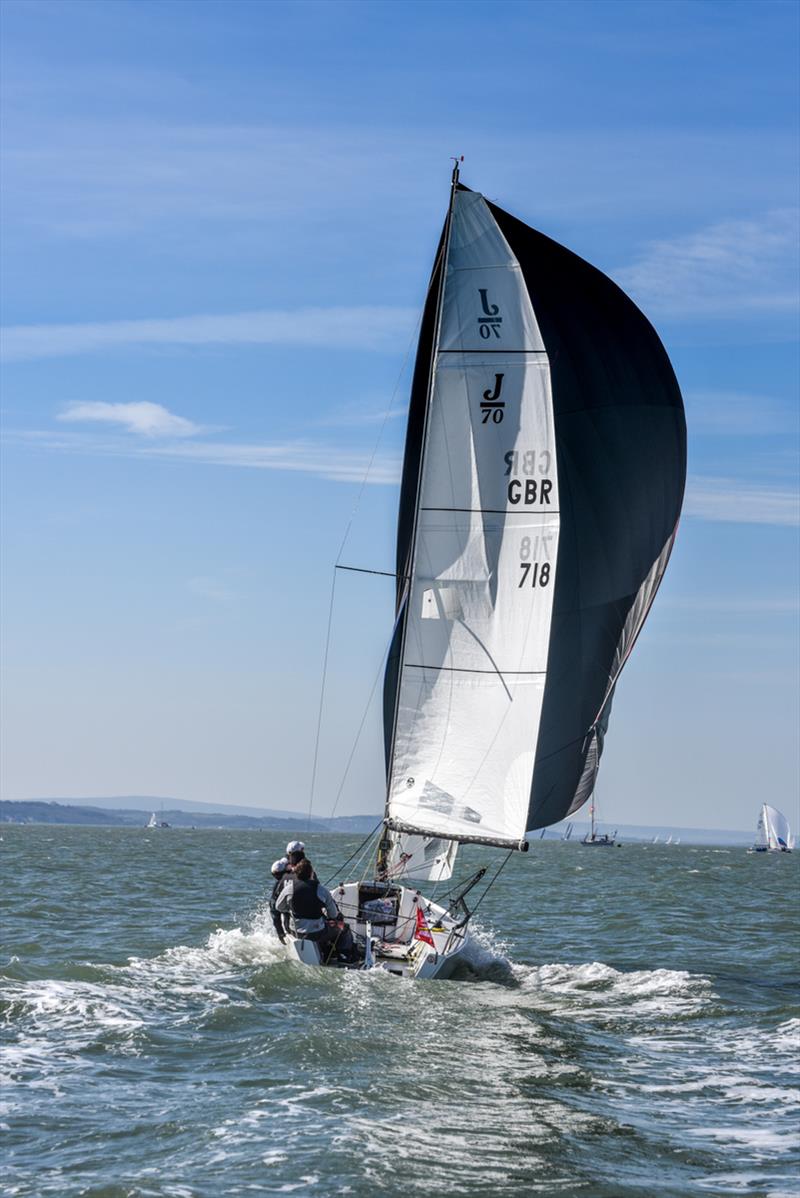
306, 903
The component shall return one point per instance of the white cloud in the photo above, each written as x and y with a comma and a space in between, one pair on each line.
148, 419
368, 328
336, 463
734, 268
729, 500
736, 414
307, 457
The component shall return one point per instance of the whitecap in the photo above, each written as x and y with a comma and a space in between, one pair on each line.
596, 991
758, 1139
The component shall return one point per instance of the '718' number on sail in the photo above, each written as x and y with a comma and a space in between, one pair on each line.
535, 574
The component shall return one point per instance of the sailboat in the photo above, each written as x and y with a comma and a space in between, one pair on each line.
567, 833
773, 834
595, 837
542, 483
152, 822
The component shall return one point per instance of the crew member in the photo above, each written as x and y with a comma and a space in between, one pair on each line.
280, 873
305, 899
296, 852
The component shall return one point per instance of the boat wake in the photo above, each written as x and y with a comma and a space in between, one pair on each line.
544, 1051
119, 1005
597, 991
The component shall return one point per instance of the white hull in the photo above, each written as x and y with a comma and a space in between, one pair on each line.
389, 938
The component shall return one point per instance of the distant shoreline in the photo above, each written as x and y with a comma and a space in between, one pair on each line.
33, 811
51, 811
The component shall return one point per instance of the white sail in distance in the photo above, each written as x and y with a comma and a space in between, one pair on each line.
774, 832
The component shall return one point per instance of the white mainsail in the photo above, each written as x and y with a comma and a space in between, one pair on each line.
474, 657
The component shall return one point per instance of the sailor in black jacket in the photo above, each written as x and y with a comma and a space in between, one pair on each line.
279, 873
306, 899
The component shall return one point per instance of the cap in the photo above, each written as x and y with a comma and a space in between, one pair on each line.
295, 846
280, 866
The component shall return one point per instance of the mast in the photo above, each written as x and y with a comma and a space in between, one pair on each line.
384, 845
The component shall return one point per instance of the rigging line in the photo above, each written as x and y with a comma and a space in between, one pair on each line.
321, 701
366, 859
366, 852
455, 884
347, 534
500, 869
381, 668
436, 886
342, 868
383, 573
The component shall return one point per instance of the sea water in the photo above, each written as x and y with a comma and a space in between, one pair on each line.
627, 1025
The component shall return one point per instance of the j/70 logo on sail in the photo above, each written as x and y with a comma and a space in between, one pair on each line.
491, 320
491, 404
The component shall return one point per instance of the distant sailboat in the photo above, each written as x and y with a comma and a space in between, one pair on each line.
773, 834
152, 822
593, 837
542, 483
568, 832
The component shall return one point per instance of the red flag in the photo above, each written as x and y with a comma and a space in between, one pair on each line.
422, 931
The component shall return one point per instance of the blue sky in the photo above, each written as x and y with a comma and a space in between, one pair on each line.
218, 224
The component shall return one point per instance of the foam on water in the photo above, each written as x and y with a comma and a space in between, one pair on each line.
597, 992
575, 1053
